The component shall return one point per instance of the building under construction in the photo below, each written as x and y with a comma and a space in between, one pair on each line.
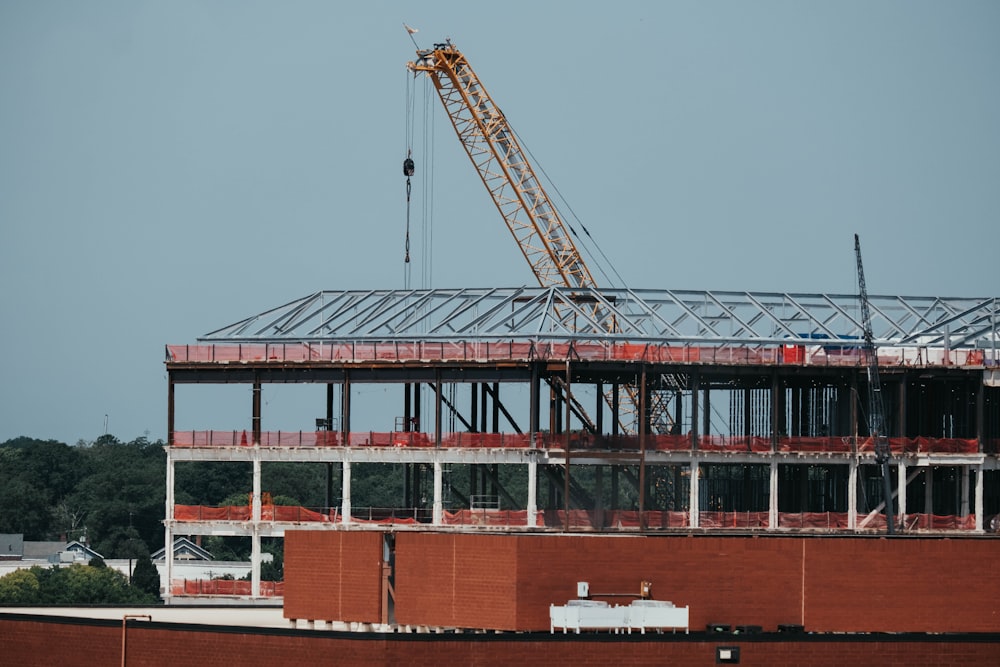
533, 426
516, 410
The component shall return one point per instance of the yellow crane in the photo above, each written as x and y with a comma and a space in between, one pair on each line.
540, 232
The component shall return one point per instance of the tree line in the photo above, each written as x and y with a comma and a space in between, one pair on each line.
111, 494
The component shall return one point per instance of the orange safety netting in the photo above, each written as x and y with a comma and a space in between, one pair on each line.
578, 519
939, 522
289, 513
486, 518
204, 513
225, 587
924, 445
831, 520
817, 355
577, 441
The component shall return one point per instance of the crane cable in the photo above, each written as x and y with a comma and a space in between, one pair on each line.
602, 263
408, 170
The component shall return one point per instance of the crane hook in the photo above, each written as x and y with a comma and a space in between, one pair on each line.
408, 170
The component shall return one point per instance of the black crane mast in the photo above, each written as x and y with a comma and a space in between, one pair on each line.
876, 409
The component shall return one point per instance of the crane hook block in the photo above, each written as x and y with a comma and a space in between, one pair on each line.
408, 167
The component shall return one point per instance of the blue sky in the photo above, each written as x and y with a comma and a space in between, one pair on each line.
167, 168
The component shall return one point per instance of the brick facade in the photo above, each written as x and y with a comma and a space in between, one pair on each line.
507, 582
333, 575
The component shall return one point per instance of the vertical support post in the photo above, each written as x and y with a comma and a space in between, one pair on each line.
532, 492
615, 409
747, 414
643, 430
534, 400
599, 408
901, 491
255, 419
693, 505
438, 402
852, 493
255, 550
695, 391
496, 408
345, 491
979, 498
407, 407
345, 409
706, 412
678, 411
170, 412
772, 496
328, 435
777, 414
438, 511
409, 469
568, 400
484, 426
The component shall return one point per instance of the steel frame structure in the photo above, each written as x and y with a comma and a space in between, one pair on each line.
563, 319
697, 317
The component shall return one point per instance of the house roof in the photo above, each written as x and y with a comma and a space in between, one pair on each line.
42, 550
183, 545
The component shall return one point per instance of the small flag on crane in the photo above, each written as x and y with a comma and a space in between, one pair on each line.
410, 30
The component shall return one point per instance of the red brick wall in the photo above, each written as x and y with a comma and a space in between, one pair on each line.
507, 582
75, 642
826, 584
456, 581
903, 585
734, 581
333, 575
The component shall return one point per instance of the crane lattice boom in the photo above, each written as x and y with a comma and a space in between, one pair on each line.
540, 232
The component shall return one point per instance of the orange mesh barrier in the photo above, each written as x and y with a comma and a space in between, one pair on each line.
711, 519
726, 443
289, 513
486, 517
924, 445
830, 520
939, 522
506, 440
577, 441
577, 518
295, 513
800, 443
228, 587
819, 355
388, 521
203, 513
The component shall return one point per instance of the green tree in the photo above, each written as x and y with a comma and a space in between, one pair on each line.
73, 584
123, 493
145, 576
19, 587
